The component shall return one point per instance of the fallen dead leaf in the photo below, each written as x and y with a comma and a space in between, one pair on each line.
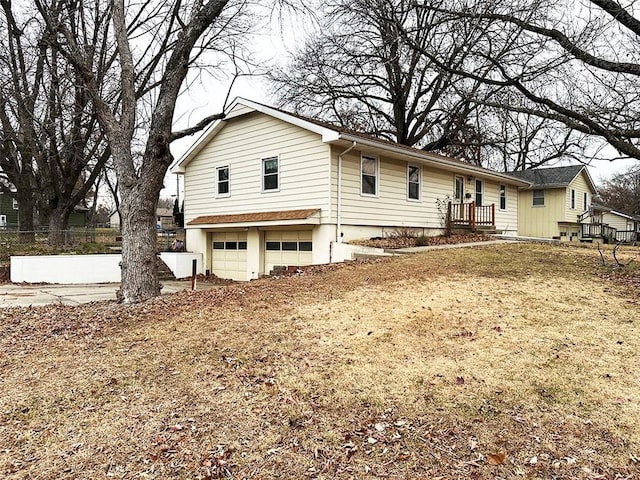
496, 458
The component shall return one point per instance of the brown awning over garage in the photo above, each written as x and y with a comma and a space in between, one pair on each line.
255, 217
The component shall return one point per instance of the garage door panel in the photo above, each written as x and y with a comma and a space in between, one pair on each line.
229, 257
288, 248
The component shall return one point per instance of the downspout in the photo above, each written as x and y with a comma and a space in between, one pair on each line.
339, 206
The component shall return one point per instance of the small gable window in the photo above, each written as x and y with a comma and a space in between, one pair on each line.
222, 178
538, 198
369, 174
270, 174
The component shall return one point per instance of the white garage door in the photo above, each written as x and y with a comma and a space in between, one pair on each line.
229, 255
287, 249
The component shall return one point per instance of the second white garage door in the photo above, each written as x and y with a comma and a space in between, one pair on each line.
229, 255
287, 249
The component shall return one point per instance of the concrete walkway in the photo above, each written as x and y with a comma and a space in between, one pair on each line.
24, 295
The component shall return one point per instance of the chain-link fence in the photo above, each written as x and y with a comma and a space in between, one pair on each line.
72, 236
109, 238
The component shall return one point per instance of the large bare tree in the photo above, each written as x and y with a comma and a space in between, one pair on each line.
52, 147
365, 67
154, 44
575, 64
622, 191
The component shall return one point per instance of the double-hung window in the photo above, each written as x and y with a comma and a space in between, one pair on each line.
270, 174
413, 182
584, 201
503, 197
369, 175
479, 191
222, 181
573, 199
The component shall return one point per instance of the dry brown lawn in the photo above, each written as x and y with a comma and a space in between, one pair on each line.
496, 362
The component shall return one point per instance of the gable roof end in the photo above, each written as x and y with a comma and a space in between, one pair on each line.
555, 177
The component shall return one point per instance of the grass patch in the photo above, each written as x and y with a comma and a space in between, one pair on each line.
509, 361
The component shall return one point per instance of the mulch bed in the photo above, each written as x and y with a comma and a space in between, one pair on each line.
411, 241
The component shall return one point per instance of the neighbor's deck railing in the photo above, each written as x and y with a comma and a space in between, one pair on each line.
626, 236
607, 233
471, 215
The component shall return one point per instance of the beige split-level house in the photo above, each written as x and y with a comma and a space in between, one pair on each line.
556, 202
267, 188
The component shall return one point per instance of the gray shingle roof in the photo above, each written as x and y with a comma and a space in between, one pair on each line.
555, 177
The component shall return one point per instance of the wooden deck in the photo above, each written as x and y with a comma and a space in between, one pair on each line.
471, 215
607, 233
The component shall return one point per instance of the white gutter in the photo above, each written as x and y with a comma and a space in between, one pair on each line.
339, 200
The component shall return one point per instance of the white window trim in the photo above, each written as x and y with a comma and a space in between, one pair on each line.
419, 199
377, 159
455, 177
533, 198
271, 190
475, 191
14, 204
585, 201
572, 199
506, 196
218, 194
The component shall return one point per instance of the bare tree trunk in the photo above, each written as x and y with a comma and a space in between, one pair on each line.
26, 204
139, 267
58, 224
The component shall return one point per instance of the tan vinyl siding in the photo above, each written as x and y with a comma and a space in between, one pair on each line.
541, 221
506, 219
580, 186
391, 207
618, 222
242, 144
238, 110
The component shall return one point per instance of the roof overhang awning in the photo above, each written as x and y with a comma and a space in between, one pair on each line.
258, 219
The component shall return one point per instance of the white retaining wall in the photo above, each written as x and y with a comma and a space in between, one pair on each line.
66, 269
180, 262
78, 269
346, 251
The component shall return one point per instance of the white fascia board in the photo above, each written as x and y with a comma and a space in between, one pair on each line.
285, 117
620, 214
590, 180
197, 146
428, 158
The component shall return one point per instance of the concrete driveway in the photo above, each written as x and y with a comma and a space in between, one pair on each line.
24, 295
